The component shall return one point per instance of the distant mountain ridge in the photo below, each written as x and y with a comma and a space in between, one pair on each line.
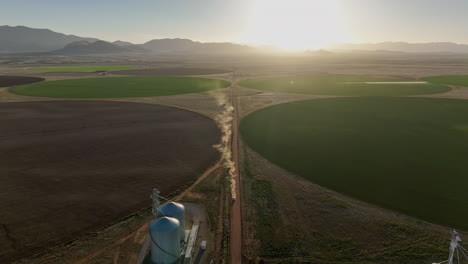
85, 47
168, 45
180, 46
122, 43
190, 46
23, 39
404, 47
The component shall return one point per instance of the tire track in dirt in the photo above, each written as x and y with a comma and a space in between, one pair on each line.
13, 242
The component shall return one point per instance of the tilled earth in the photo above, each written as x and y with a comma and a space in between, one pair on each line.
6, 81
69, 168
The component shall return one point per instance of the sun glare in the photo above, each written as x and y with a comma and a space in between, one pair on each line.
295, 24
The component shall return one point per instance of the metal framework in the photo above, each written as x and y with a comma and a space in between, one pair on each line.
455, 250
156, 203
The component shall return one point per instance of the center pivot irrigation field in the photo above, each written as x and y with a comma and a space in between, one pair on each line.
343, 85
120, 87
406, 154
173, 71
67, 168
457, 80
84, 68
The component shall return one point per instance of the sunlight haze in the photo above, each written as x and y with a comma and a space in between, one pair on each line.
295, 24
303, 24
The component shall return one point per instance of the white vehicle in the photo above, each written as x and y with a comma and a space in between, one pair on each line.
203, 245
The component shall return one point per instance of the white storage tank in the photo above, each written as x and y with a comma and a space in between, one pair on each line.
177, 211
165, 240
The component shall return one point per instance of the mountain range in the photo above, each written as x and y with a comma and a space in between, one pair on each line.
21, 39
190, 46
85, 47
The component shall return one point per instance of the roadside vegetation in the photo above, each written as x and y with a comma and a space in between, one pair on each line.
212, 193
286, 225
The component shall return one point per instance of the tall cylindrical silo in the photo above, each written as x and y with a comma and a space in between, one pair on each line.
176, 210
165, 240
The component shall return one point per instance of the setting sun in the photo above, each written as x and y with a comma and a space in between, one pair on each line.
296, 24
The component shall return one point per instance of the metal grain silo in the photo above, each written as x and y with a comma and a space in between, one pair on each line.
165, 240
176, 210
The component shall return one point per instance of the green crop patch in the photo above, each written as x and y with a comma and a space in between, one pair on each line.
120, 87
343, 85
83, 68
405, 154
456, 80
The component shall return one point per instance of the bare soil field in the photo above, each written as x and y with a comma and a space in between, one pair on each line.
170, 72
69, 168
6, 81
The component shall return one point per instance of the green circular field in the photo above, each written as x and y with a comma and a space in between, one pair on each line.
457, 80
406, 154
85, 68
343, 85
120, 87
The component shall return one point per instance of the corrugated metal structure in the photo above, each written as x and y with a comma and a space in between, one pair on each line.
191, 244
177, 211
184, 247
165, 240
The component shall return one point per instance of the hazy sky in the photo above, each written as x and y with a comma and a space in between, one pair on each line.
288, 23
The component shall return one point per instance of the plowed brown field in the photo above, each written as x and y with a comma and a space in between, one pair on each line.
69, 168
6, 81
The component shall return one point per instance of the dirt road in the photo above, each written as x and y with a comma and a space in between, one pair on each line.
236, 214
200, 179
